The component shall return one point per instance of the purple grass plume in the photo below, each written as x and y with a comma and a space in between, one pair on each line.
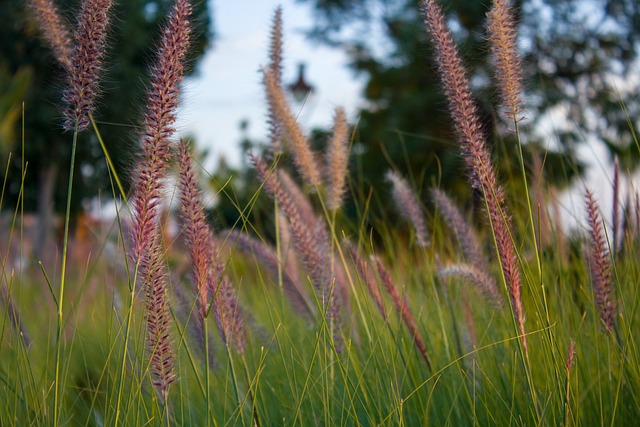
84, 72
475, 152
55, 30
501, 29
464, 234
194, 228
315, 260
337, 161
275, 68
149, 178
409, 207
304, 158
208, 276
600, 264
477, 277
367, 275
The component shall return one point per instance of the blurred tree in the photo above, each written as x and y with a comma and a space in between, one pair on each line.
579, 57
133, 36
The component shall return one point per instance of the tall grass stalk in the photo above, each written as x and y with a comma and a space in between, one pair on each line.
63, 273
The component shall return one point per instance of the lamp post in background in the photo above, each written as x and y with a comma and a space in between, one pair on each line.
300, 89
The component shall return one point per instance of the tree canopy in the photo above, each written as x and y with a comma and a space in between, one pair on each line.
579, 57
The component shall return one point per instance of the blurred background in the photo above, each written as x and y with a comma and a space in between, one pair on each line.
580, 61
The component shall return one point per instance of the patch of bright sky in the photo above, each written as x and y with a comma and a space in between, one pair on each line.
227, 87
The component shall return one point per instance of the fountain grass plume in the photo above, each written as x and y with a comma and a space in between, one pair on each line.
162, 103
297, 196
408, 206
227, 310
465, 235
501, 30
303, 156
337, 161
54, 30
479, 278
313, 259
149, 177
600, 264
275, 67
84, 71
475, 152
194, 227
158, 338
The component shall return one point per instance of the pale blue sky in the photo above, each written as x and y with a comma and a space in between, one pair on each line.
227, 88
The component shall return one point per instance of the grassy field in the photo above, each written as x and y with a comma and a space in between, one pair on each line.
506, 319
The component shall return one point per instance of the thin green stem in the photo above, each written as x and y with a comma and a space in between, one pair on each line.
65, 245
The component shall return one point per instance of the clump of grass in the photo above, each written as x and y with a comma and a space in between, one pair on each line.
277, 367
474, 149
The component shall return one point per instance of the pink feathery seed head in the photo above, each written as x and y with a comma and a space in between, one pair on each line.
275, 67
303, 156
166, 76
501, 29
408, 206
368, 277
297, 196
151, 170
337, 160
195, 229
462, 107
465, 235
464, 113
314, 260
479, 278
600, 264
54, 30
158, 319
227, 311
86, 63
